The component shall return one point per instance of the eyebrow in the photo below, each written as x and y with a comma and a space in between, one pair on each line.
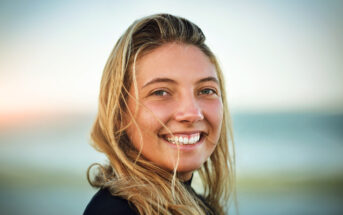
168, 80
210, 78
159, 80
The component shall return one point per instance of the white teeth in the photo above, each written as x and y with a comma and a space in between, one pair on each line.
191, 140
184, 139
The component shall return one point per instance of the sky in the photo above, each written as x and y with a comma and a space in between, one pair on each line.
277, 56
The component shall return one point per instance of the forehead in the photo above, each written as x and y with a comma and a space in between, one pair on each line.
181, 62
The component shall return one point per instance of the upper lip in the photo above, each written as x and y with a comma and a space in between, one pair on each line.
183, 132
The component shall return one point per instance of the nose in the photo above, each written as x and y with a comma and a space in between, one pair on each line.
188, 110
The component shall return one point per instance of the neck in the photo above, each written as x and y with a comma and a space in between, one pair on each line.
185, 176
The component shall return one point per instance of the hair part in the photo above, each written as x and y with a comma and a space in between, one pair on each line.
150, 188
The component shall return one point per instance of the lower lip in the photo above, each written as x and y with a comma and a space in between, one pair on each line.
185, 147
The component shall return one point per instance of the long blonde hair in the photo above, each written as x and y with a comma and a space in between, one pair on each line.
151, 189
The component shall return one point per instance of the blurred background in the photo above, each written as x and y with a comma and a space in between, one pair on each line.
284, 72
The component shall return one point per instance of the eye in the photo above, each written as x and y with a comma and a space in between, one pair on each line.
207, 91
159, 93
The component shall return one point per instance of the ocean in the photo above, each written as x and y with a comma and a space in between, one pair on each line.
286, 163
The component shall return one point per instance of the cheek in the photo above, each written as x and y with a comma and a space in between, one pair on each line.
148, 119
213, 112
154, 112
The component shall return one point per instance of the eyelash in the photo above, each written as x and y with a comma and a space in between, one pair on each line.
162, 92
157, 92
213, 91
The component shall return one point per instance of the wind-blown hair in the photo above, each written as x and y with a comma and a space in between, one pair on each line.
151, 189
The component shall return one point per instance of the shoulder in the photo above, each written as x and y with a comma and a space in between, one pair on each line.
103, 203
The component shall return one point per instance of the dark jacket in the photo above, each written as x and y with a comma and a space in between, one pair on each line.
104, 203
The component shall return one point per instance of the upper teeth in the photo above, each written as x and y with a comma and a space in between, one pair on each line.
189, 139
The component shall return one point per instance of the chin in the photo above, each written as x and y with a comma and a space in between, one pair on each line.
188, 167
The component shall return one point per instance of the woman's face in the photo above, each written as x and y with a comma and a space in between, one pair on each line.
178, 86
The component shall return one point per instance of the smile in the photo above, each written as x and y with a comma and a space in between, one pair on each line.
183, 139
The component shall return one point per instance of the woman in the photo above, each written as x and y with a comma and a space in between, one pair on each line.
162, 116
